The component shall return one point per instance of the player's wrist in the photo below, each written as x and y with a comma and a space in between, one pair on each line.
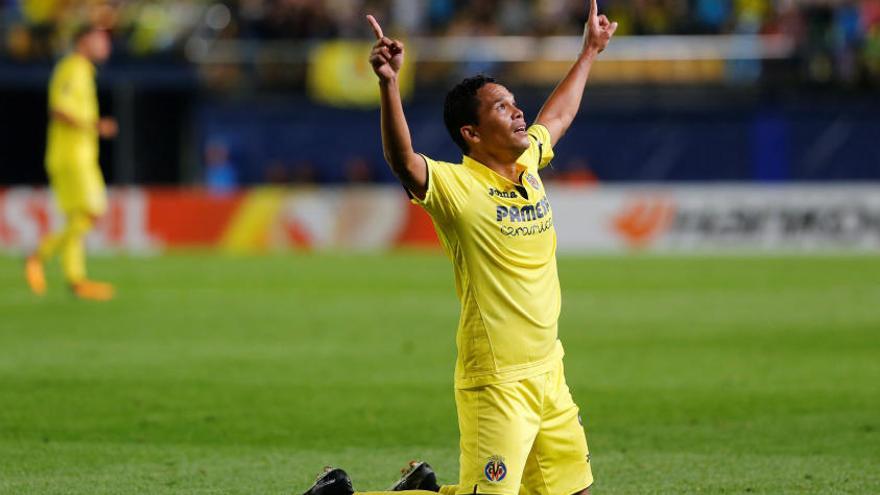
388, 81
589, 46
589, 53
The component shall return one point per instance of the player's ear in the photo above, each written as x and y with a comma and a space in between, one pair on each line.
470, 134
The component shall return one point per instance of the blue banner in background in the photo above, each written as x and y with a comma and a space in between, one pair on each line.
295, 140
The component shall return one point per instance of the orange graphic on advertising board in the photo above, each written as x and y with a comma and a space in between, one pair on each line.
643, 220
418, 230
297, 235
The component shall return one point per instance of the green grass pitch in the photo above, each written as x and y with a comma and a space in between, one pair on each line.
212, 374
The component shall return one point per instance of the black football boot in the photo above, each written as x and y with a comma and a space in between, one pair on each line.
331, 481
418, 475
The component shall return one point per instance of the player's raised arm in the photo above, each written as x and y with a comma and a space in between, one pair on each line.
563, 104
410, 168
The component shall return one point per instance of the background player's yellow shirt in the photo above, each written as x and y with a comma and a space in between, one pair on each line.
72, 92
501, 240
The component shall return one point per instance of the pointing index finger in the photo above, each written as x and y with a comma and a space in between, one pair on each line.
377, 29
594, 10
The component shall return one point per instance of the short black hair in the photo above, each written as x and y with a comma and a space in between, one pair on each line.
83, 30
461, 106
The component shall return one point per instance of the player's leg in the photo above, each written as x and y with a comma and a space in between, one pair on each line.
73, 260
63, 190
559, 462
67, 189
49, 246
89, 195
72, 247
497, 424
448, 489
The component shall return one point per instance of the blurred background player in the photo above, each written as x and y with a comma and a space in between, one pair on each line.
72, 164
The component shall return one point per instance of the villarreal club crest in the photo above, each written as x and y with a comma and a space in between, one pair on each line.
495, 470
533, 181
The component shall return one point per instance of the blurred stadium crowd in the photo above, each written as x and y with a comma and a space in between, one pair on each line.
176, 64
839, 37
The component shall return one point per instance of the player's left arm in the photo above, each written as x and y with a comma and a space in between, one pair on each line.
563, 104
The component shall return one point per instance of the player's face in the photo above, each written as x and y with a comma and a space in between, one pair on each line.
97, 46
502, 126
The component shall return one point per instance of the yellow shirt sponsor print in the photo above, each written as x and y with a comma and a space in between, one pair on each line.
502, 243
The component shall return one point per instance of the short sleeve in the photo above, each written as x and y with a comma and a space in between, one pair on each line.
540, 151
65, 91
449, 187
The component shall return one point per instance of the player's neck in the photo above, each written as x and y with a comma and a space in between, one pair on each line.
505, 166
84, 54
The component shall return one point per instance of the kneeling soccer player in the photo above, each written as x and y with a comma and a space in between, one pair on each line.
520, 428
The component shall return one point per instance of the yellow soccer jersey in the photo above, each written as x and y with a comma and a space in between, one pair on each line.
72, 92
501, 240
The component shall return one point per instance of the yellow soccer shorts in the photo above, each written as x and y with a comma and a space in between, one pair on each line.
78, 188
522, 438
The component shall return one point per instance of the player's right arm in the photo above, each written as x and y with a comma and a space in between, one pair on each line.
106, 126
409, 167
67, 119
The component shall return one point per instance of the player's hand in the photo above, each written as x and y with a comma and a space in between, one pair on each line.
108, 128
599, 29
387, 55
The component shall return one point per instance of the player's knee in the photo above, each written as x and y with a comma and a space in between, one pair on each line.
81, 223
585, 491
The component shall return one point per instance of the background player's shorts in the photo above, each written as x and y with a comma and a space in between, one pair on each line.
78, 188
522, 438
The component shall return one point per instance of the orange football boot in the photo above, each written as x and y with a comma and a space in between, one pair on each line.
33, 273
93, 291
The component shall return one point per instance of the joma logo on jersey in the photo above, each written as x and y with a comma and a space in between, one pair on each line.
502, 194
523, 214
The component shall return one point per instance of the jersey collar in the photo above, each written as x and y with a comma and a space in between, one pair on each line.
488, 174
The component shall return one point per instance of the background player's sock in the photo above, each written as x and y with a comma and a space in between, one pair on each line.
73, 260
75, 229
49, 245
